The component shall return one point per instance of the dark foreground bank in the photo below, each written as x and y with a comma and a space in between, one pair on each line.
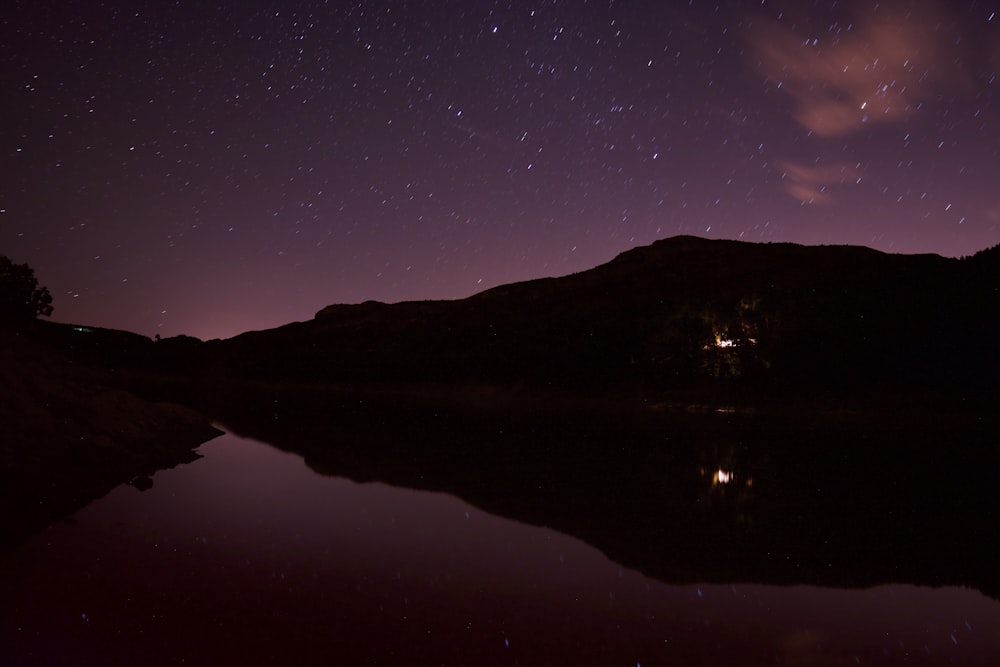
69, 436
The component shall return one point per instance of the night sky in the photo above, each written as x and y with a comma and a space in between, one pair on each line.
197, 168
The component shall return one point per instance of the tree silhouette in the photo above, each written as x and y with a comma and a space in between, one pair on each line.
20, 296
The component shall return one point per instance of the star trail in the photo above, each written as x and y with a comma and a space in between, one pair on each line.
207, 169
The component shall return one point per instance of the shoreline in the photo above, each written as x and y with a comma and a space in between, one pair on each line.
70, 437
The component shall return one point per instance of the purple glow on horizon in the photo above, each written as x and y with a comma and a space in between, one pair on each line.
208, 170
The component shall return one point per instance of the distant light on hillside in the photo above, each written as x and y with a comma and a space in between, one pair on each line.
723, 342
722, 477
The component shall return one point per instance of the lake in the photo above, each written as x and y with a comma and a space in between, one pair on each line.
248, 556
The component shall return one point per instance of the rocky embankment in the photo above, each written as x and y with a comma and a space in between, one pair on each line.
67, 437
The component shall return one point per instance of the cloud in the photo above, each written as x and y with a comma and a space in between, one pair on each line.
879, 69
816, 183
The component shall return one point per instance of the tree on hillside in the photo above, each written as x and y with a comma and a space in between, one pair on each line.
20, 296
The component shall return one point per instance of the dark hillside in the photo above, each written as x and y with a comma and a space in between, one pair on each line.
682, 313
68, 435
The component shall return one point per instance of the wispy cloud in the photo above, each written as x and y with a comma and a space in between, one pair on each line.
878, 69
816, 183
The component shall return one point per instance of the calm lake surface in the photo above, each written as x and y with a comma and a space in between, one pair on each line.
249, 557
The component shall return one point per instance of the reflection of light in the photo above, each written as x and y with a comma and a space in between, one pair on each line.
722, 477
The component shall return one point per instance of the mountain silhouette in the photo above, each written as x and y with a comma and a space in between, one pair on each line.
683, 313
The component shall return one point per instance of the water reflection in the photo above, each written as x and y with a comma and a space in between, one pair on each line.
248, 557
726, 490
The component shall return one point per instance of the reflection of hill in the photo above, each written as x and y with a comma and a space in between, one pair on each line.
835, 500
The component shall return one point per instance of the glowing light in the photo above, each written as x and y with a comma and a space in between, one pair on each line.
722, 477
723, 342
731, 342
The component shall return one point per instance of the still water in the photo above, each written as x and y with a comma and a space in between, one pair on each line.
249, 557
